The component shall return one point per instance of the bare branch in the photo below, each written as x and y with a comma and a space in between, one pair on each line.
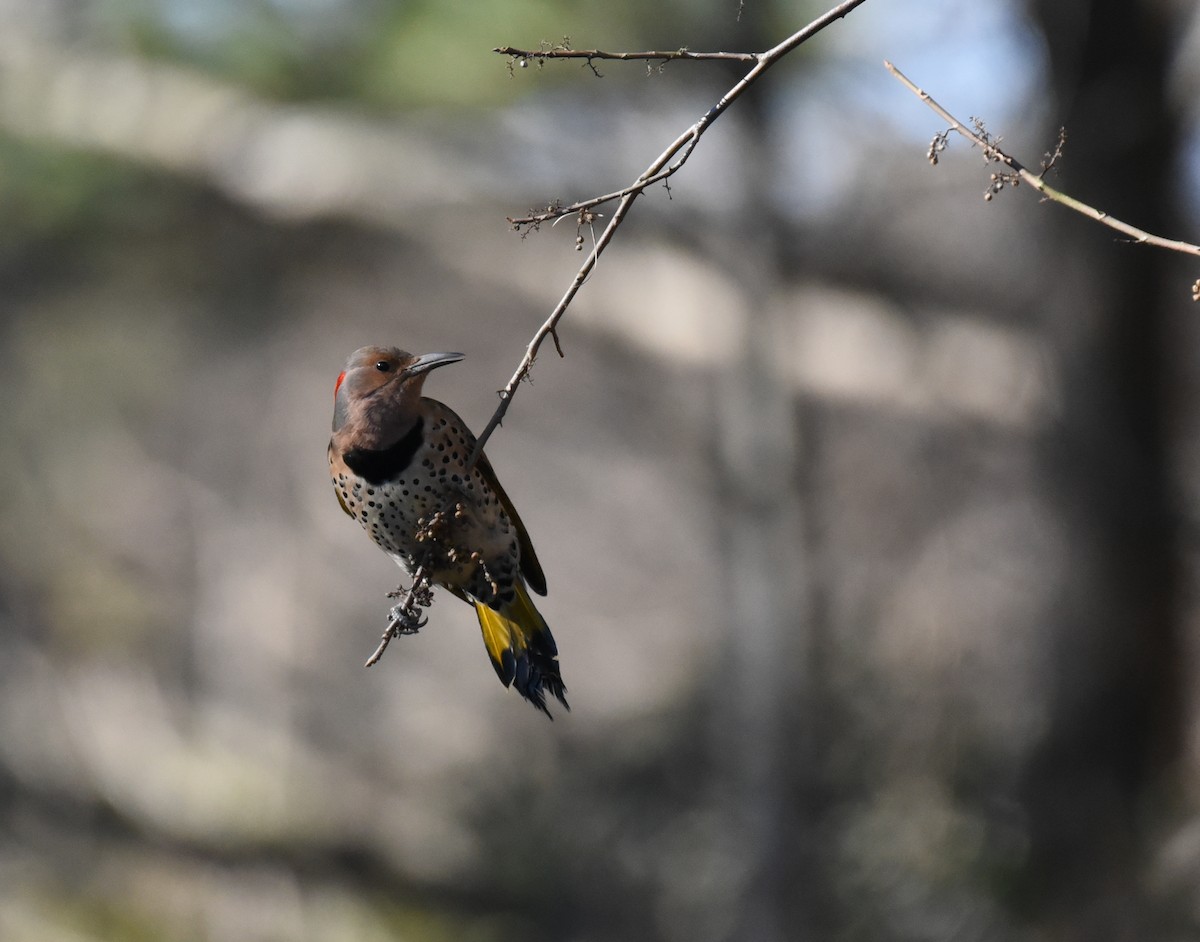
660, 169
565, 52
990, 146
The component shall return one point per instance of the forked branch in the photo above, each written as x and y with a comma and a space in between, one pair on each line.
665, 165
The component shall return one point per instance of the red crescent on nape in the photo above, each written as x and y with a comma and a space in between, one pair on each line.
338, 384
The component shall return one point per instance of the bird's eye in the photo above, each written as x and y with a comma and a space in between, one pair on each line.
384, 366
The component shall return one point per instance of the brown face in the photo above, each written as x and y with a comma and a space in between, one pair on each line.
387, 371
368, 369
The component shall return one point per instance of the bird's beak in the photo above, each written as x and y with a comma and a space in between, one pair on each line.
430, 361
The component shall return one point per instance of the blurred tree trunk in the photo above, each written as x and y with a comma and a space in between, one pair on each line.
1114, 725
765, 760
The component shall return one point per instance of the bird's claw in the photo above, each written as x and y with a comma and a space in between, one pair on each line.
401, 622
405, 616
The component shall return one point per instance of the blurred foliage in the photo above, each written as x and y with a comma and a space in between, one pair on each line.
49, 192
388, 55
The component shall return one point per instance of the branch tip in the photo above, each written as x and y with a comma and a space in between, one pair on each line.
1016, 172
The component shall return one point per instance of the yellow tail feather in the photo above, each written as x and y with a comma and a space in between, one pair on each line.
521, 648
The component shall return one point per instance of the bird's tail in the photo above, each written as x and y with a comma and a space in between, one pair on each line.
522, 649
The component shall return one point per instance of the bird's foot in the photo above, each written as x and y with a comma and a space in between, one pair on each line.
405, 616
405, 621
408, 611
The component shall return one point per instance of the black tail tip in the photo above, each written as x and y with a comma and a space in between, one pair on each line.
535, 676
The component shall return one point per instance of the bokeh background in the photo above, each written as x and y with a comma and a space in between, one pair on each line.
869, 509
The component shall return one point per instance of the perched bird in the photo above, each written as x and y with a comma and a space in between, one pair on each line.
398, 465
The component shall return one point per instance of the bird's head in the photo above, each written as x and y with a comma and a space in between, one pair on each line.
379, 388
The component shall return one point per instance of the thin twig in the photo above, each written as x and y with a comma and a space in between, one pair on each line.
388, 634
992, 151
564, 52
555, 210
663, 166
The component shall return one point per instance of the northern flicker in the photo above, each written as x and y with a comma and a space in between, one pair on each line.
398, 465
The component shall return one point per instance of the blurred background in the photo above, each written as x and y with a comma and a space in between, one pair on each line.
869, 509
